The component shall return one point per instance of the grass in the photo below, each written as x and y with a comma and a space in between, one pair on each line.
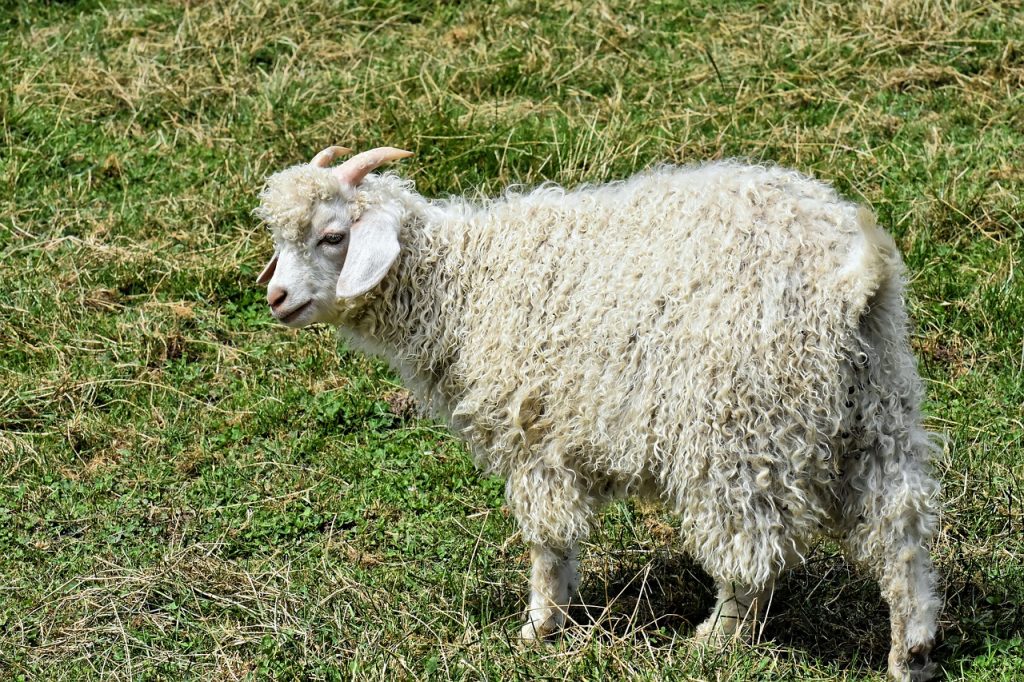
188, 491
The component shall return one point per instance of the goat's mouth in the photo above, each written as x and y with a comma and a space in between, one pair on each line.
294, 313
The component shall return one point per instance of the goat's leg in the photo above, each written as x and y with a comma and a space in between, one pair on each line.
554, 514
889, 495
736, 615
553, 580
894, 525
908, 584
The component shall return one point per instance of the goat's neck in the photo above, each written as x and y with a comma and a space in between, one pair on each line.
412, 320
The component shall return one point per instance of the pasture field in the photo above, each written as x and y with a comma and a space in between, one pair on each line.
189, 491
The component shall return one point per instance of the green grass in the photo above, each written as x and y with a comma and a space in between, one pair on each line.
188, 491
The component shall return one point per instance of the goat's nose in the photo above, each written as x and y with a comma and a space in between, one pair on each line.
276, 296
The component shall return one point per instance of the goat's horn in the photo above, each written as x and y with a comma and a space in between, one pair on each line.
356, 168
327, 156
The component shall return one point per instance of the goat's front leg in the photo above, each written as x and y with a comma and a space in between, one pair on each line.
554, 514
554, 579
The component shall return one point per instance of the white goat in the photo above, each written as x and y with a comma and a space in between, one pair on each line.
730, 340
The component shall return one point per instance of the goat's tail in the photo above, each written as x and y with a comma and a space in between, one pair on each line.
874, 269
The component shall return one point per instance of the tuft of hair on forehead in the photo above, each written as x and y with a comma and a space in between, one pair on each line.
289, 197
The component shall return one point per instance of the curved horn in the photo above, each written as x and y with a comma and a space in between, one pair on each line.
355, 169
327, 156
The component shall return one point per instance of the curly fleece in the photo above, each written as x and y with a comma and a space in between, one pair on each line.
728, 339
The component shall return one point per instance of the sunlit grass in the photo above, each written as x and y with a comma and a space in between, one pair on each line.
188, 491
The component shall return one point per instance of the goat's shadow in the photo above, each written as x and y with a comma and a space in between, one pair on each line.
824, 608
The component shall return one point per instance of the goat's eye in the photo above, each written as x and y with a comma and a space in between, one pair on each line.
334, 238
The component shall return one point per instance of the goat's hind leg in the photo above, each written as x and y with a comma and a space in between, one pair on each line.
908, 585
888, 494
894, 528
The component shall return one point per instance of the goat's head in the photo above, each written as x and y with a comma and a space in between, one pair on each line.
332, 242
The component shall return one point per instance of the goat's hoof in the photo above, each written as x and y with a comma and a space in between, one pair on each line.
707, 634
711, 637
546, 631
921, 666
916, 665
712, 634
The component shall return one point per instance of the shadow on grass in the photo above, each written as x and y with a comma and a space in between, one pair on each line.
824, 608
833, 613
640, 594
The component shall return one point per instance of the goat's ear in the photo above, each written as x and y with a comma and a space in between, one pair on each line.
372, 250
268, 272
